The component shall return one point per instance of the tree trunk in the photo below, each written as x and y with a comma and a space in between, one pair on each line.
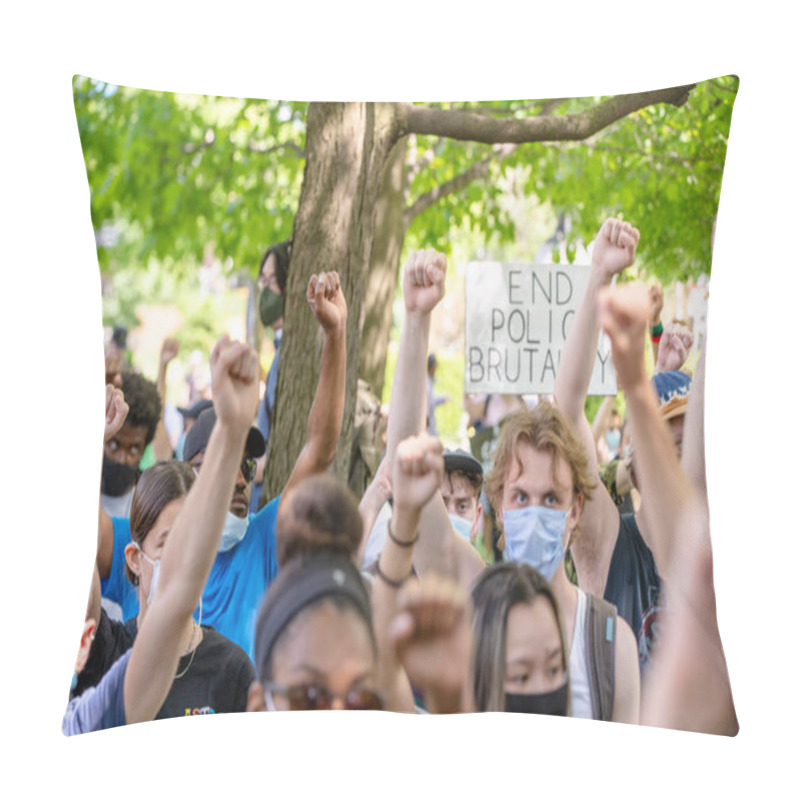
390, 232
346, 145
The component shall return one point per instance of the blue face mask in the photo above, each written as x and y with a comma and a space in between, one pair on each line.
233, 532
156, 565
463, 527
613, 439
535, 536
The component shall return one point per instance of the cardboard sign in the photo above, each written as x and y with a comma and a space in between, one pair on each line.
517, 320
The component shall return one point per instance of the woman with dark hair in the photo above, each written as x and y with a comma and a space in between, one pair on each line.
214, 673
519, 654
315, 647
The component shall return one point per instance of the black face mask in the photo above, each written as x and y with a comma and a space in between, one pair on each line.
270, 307
117, 478
553, 703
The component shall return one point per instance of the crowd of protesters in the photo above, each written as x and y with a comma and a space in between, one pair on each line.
573, 578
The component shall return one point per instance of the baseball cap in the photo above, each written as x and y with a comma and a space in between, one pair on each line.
462, 461
198, 436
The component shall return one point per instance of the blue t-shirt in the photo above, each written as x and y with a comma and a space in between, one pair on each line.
102, 706
238, 579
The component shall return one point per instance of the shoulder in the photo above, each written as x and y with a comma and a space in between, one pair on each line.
225, 650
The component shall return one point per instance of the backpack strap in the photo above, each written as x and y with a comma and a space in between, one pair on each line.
601, 632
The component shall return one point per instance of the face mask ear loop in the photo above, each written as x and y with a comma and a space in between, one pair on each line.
269, 700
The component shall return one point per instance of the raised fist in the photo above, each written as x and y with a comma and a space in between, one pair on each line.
431, 633
418, 470
673, 350
423, 281
169, 349
624, 312
116, 412
325, 296
615, 246
234, 382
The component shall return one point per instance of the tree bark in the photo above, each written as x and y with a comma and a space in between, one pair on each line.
347, 144
390, 232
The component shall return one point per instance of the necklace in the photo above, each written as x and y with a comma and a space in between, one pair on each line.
195, 628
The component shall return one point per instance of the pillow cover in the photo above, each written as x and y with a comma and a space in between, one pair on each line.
187, 192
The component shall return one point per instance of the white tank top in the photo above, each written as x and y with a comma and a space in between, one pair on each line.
581, 699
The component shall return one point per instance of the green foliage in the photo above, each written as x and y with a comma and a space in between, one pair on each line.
186, 170
175, 172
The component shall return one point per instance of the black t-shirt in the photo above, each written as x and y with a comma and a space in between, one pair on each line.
216, 681
634, 587
111, 640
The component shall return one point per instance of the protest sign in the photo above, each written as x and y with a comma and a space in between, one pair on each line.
517, 320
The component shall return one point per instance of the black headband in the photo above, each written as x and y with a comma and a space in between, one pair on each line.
303, 581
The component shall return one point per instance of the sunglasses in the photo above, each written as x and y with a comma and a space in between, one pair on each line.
309, 697
248, 468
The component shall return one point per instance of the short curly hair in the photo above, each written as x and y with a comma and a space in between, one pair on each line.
143, 401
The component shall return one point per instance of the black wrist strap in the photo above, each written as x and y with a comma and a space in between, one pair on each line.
382, 575
400, 542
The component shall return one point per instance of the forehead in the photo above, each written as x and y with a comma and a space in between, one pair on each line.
531, 630
333, 642
533, 468
457, 485
131, 434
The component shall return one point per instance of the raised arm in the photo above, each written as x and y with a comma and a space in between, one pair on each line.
192, 543
417, 469
116, 412
326, 299
162, 447
688, 685
624, 316
693, 456
673, 350
614, 250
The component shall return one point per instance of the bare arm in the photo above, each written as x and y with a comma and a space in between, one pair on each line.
693, 458
624, 317
627, 681
614, 250
324, 295
440, 548
192, 543
162, 447
376, 495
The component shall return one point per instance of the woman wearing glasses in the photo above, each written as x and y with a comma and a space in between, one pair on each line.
214, 673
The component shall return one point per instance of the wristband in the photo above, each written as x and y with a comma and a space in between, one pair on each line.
656, 331
400, 542
382, 575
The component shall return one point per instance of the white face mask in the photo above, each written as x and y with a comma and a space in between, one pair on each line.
535, 536
156, 565
233, 531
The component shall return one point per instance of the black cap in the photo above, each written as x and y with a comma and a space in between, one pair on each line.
200, 433
193, 412
304, 580
462, 461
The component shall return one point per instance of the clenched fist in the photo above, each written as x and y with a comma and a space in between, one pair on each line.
624, 313
418, 470
615, 247
234, 382
423, 281
324, 295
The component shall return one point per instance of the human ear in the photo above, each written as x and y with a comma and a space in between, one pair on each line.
255, 697
133, 560
87, 637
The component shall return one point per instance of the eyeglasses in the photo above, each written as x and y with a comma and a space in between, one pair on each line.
309, 697
248, 466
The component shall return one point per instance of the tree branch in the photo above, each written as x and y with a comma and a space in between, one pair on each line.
570, 127
479, 169
260, 147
